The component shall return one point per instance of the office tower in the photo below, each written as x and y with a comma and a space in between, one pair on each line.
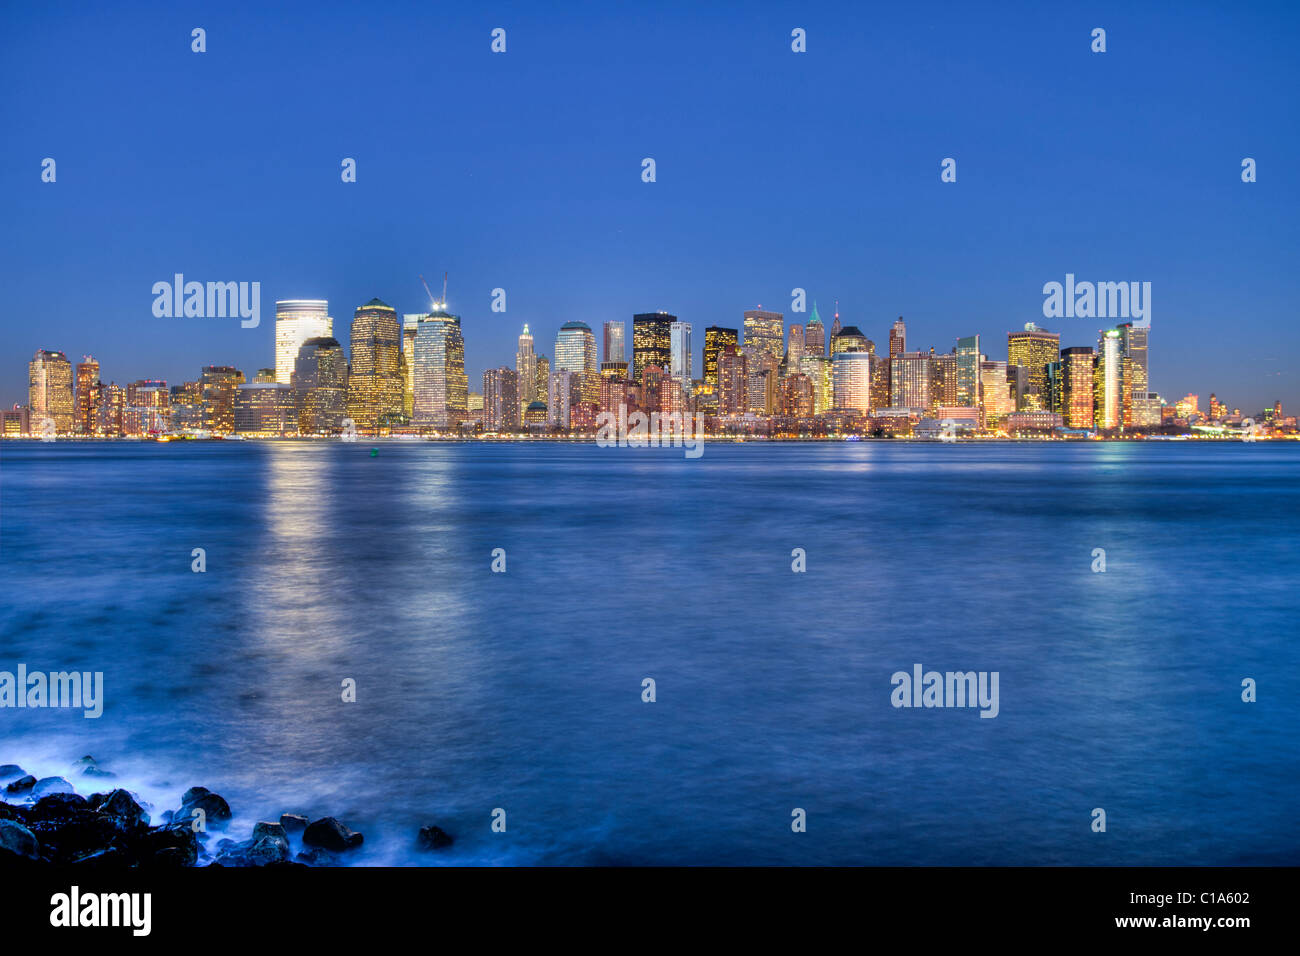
968, 371
1133, 349
217, 384
680, 360
441, 385
651, 341
909, 377
851, 377
761, 390
614, 370
87, 398
296, 321
111, 409
501, 407
880, 393
575, 349
897, 338
943, 380
796, 396
375, 383
264, 376
765, 334
1018, 387
526, 369
410, 325
559, 396
543, 382
266, 409
733, 380
997, 401
836, 328
148, 408
1034, 349
1108, 380
850, 339
49, 392
320, 386
814, 334
614, 350
716, 338
818, 369
794, 350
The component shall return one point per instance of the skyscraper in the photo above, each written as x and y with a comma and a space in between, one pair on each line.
681, 367
87, 398
765, 333
49, 392
651, 341
851, 375
525, 369
897, 338
968, 371
296, 321
733, 379
501, 408
217, 385
794, 349
575, 349
375, 382
1034, 349
441, 385
814, 334
909, 380
1108, 395
1133, 348
1076, 387
410, 325
320, 386
716, 338
614, 350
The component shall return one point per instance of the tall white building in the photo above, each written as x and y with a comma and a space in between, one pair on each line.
296, 321
679, 346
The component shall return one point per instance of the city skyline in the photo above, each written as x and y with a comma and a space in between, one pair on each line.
775, 170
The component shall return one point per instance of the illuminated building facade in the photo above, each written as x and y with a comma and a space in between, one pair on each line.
296, 321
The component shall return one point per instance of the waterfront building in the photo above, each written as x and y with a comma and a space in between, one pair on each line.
320, 386
296, 321
441, 400
375, 381
1033, 349
217, 384
49, 392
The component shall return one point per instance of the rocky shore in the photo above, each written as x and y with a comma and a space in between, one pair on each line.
47, 821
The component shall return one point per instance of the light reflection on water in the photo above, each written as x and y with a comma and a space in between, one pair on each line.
477, 690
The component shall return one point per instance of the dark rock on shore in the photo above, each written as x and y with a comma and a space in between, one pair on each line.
21, 785
434, 838
10, 772
17, 842
216, 811
329, 834
293, 823
48, 785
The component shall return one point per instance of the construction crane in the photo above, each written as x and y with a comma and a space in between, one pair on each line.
434, 303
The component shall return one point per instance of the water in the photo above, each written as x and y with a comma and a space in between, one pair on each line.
522, 690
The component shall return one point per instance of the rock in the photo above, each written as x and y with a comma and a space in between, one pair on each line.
269, 849
48, 785
17, 842
96, 772
11, 771
329, 834
315, 857
293, 823
122, 806
22, 784
268, 829
172, 845
215, 809
434, 838
58, 804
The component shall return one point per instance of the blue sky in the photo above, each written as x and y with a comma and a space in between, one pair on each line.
775, 170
